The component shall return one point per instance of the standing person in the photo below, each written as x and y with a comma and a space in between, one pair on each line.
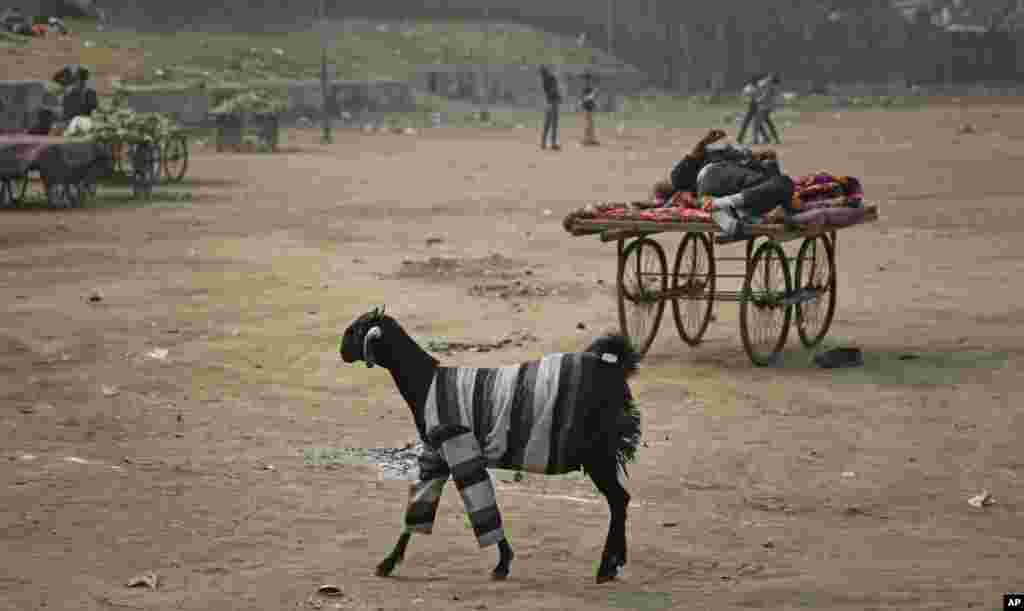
751, 91
554, 98
79, 99
767, 102
588, 101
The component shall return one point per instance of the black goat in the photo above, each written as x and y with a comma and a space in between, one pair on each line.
559, 414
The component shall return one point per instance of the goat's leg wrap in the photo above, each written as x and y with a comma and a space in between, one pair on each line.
425, 494
469, 469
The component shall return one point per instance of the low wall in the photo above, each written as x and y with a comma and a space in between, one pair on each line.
520, 85
305, 99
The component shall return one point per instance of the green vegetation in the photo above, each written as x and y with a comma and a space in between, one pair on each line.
187, 59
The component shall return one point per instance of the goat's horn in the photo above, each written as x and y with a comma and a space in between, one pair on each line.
368, 356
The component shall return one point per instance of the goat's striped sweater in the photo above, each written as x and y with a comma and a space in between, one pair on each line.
529, 417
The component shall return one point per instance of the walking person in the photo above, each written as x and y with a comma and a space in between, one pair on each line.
751, 91
767, 101
588, 101
554, 98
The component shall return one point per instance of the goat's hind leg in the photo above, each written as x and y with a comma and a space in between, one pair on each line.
605, 475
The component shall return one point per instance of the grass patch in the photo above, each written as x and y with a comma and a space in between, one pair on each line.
13, 40
641, 601
187, 58
905, 367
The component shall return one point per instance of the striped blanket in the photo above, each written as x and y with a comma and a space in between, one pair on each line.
528, 417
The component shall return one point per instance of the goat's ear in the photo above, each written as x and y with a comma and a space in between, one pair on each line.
371, 336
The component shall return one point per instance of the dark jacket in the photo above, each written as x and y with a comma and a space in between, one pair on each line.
550, 84
79, 101
589, 104
736, 169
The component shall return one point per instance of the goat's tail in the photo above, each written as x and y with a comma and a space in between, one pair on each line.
620, 420
616, 348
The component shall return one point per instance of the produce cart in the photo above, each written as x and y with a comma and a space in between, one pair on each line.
68, 169
775, 288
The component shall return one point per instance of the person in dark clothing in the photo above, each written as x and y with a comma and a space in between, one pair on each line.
45, 119
751, 91
733, 183
79, 99
554, 98
767, 101
588, 102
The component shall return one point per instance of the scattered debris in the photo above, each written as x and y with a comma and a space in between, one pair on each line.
235, 333
848, 474
908, 357
95, 297
76, 460
966, 128
768, 545
670, 524
516, 338
547, 212
110, 391
146, 580
581, 326
27, 409
982, 500
27, 457
158, 354
329, 590
434, 240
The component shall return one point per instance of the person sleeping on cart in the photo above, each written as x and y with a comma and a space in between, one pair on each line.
733, 183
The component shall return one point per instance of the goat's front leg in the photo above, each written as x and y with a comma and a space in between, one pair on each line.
387, 566
469, 470
424, 497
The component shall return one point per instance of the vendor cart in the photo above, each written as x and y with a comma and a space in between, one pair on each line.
775, 289
68, 169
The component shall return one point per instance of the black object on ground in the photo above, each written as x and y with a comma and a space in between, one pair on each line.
840, 357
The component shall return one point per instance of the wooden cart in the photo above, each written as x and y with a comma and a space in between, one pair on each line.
775, 289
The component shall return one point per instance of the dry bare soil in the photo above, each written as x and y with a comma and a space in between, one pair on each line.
772, 488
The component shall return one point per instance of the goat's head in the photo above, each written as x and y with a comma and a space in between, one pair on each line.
364, 335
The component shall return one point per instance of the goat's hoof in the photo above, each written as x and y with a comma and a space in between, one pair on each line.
606, 578
386, 567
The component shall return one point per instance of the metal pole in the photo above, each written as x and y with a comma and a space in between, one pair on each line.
326, 137
611, 27
485, 81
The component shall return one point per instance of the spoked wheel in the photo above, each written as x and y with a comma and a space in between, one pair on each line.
19, 188
643, 280
146, 168
175, 158
764, 310
815, 289
144, 160
66, 194
693, 284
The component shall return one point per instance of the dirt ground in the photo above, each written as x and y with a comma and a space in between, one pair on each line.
771, 488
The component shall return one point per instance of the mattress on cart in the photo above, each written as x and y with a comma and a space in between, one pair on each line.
56, 159
818, 199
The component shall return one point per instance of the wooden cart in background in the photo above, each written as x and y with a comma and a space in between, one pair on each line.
775, 289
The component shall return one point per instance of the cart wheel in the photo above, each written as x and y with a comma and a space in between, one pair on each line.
63, 195
764, 313
693, 283
815, 281
19, 188
175, 158
145, 160
643, 278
